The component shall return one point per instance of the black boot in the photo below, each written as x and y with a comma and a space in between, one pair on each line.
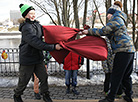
17, 98
75, 91
46, 97
106, 100
37, 96
68, 90
127, 99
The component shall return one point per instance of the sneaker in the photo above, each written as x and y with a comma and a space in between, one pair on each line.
17, 98
127, 99
119, 96
105, 93
47, 98
75, 92
37, 96
106, 100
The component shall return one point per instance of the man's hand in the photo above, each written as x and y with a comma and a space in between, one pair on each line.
84, 32
58, 47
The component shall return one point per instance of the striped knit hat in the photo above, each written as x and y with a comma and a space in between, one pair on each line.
24, 8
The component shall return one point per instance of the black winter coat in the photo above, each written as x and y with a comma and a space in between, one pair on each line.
30, 49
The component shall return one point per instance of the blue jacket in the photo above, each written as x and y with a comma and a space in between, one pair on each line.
116, 31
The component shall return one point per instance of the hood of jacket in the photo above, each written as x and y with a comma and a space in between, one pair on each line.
22, 22
121, 15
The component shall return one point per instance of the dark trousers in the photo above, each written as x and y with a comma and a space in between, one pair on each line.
25, 73
107, 84
122, 69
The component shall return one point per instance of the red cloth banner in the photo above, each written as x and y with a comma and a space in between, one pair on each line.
90, 47
55, 34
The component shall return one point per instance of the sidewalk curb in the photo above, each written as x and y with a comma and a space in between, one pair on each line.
32, 100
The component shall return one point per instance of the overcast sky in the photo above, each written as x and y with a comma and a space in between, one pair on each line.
7, 5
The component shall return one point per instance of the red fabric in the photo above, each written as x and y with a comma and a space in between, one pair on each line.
59, 55
72, 61
55, 34
90, 47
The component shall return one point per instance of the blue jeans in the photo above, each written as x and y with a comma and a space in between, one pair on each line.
71, 74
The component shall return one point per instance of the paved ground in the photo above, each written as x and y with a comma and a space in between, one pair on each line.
31, 100
87, 94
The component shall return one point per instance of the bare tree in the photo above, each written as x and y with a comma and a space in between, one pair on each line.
76, 17
85, 12
133, 22
134, 26
61, 11
125, 7
98, 12
107, 4
57, 10
42, 7
136, 44
137, 10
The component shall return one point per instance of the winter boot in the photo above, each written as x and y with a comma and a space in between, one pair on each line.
46, 97
37, 96
75, 92
106, 100
119, 96
127, 99
17, 98
68, 90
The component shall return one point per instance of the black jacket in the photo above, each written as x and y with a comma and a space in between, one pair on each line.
30, 49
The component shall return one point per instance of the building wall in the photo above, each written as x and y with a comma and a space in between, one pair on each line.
14, 16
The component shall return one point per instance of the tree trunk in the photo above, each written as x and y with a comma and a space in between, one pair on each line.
58, 16
125, 9
85, 12
98, 13
108, 5
125, 6
134, 24
137, 12
65, 13
76, 17
133, 19
93, 20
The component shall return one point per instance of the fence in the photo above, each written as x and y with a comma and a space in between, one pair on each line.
9, 67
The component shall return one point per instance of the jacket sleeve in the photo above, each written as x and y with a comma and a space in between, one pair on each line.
110, 27
31, 38
81, 60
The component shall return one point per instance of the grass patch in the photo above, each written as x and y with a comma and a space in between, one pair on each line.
13, 29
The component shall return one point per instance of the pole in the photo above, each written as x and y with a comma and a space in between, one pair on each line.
88, 69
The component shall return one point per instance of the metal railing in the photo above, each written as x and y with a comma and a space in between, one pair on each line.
10, 66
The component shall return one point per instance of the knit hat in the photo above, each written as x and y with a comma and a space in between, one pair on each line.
111, 11
117, 6
24, 8
118, 3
